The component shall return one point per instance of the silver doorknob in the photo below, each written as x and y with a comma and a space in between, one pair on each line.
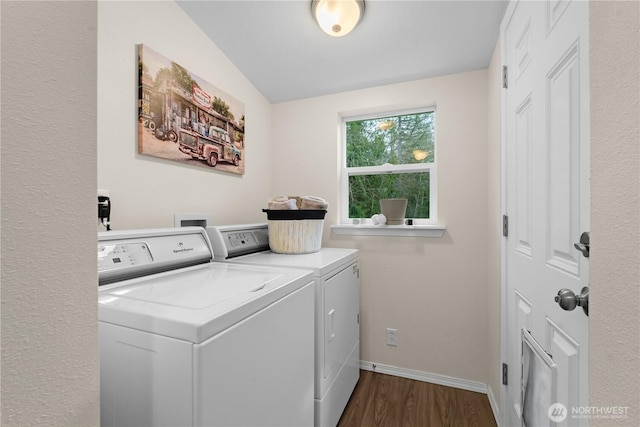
568, 300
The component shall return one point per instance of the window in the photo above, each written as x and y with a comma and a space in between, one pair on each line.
390, 156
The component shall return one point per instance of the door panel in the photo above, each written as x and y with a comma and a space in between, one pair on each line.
523, 146
546, 145
566, 354
564, 173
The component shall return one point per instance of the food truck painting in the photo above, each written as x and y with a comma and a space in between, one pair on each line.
175, 107
214, 147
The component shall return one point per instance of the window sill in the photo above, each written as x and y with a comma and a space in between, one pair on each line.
389, 230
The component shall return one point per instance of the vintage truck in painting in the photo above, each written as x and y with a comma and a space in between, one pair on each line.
214, 147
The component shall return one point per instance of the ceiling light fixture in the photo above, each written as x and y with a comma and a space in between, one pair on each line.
337, 17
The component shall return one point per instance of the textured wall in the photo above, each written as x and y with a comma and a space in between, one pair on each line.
433, 290
146, 191
615, 209
50, 373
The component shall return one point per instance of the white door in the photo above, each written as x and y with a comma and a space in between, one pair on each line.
546, 198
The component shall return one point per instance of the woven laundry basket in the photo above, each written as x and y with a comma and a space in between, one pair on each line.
295, 231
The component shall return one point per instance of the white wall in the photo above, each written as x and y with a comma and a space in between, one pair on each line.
146, 191
50, 372
615, 209
433, 290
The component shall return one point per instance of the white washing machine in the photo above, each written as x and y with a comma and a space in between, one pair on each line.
188, 342
337, 294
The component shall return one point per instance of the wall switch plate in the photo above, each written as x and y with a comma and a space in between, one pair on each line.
392, 337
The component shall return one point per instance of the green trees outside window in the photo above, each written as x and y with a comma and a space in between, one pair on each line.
389, 157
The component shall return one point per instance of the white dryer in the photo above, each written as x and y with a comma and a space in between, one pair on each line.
337, 310
188, 342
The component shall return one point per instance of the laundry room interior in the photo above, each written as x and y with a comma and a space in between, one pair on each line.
409, 284
442, 295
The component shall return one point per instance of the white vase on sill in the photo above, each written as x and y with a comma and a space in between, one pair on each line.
394, 210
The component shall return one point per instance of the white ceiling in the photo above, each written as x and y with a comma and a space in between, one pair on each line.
279, 47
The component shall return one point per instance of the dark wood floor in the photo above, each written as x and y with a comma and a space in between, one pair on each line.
386, 400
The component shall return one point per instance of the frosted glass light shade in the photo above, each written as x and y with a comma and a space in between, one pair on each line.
337, 17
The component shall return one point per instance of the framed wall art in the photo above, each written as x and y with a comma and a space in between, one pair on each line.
183, 118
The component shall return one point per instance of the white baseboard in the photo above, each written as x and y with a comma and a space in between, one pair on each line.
424, 376
494, 405
435, 379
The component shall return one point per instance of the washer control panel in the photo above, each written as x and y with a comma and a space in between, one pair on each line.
123, 255
128, 254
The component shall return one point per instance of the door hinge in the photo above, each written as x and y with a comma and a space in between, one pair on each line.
505, 374
505, 225
505, 77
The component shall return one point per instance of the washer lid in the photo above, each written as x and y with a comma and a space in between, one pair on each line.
195, 303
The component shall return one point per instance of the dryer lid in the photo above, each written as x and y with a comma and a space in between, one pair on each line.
323, 263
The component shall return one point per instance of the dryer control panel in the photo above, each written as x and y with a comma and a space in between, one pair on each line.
234, 240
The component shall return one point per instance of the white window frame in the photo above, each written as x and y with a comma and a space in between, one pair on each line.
431, 223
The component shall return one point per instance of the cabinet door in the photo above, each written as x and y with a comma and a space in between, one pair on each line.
341, 311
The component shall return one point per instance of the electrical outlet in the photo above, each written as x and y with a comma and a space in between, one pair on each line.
392, 337
104, 193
